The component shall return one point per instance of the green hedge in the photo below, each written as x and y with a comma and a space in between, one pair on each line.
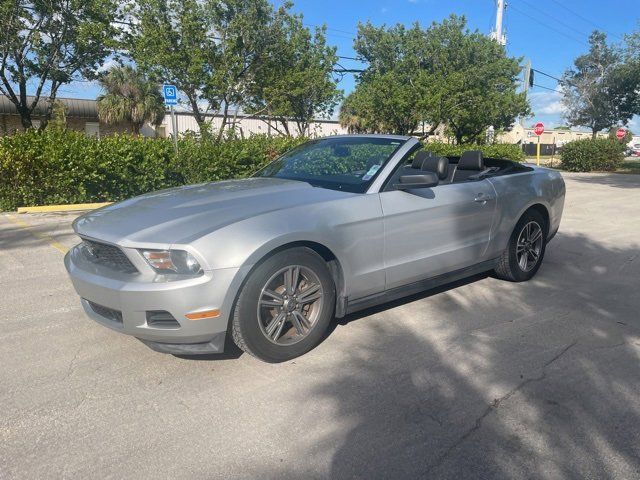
64, 167
507, 151
602, 154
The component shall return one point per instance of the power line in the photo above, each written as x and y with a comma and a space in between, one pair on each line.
546, 74
547, 88
331, 29
584, 19
549, 26
579, 32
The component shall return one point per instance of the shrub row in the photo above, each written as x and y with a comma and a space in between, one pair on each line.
64, 167
507, 151
602, 154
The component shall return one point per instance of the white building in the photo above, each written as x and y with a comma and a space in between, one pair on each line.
245, 125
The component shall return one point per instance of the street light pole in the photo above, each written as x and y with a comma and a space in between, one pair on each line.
498, 33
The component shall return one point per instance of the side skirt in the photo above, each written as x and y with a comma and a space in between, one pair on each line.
395, 293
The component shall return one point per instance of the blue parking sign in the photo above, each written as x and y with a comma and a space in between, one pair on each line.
170, 93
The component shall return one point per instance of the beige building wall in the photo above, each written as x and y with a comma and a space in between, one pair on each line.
246, 126
520, 134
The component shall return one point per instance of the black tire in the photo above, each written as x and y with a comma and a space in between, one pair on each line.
248, 328
509, 267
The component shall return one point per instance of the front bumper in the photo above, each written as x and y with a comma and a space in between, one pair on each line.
121, 301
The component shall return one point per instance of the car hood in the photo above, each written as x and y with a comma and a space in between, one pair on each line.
180, 215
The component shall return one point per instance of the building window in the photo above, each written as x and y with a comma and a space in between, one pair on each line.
92, 129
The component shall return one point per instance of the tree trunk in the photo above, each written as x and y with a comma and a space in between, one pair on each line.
225, 115
302, 127
285, 125
44, 121
197, 115
430, 132
25, 117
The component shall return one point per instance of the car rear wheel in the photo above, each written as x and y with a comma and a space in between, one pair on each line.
523, 256
285, 306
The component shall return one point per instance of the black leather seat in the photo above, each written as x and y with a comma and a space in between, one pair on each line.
471, 163
428, 162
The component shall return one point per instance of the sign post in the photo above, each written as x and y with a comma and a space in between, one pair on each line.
620, 133
538, 129
170, 94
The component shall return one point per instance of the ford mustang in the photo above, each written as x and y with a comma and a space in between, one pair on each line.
333, 226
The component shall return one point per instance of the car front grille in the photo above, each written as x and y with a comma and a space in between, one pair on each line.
108, 255
110, 314
161, 319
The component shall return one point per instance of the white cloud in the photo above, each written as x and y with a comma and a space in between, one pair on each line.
108, 64
546, 103
554, 108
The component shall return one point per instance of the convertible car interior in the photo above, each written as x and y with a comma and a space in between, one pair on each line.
470, 166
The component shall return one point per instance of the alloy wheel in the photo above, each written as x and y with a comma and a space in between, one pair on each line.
529, 246
290, 304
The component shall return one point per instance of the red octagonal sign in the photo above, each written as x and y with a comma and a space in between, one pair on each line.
539, 128
620, 133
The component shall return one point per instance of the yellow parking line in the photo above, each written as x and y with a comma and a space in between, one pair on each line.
62, 208
42, 236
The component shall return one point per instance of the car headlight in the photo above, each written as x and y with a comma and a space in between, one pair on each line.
172, 261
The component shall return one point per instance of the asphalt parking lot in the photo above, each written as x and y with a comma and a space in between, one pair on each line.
483, 379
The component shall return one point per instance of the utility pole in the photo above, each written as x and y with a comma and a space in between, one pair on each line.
498, 33
501, 38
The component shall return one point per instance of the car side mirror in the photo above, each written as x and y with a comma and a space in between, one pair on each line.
421, 180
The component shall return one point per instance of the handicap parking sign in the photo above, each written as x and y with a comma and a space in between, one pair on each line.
170, 93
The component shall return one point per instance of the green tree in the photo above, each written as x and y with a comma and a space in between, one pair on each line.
599, 91
387, 95
353, 115
47, 44
243, 31
129, 97
170, 41
211, 49
295, 79
442, 75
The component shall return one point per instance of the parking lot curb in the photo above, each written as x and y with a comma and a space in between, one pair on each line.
62, 208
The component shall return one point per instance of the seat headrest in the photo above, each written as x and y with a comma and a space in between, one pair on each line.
471, 160
437, 165
419, 159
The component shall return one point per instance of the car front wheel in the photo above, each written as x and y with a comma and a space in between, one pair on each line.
285, 306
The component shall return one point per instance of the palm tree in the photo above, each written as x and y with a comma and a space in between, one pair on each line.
129, 97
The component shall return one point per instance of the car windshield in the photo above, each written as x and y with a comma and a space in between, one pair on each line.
338, 163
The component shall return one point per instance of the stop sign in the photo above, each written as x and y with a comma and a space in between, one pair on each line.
621, 133
539, 128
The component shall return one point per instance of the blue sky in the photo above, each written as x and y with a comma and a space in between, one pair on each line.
544, 31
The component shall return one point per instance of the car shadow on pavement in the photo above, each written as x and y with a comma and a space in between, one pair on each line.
491, 379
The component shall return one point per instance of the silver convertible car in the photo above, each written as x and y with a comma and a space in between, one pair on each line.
333, 226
